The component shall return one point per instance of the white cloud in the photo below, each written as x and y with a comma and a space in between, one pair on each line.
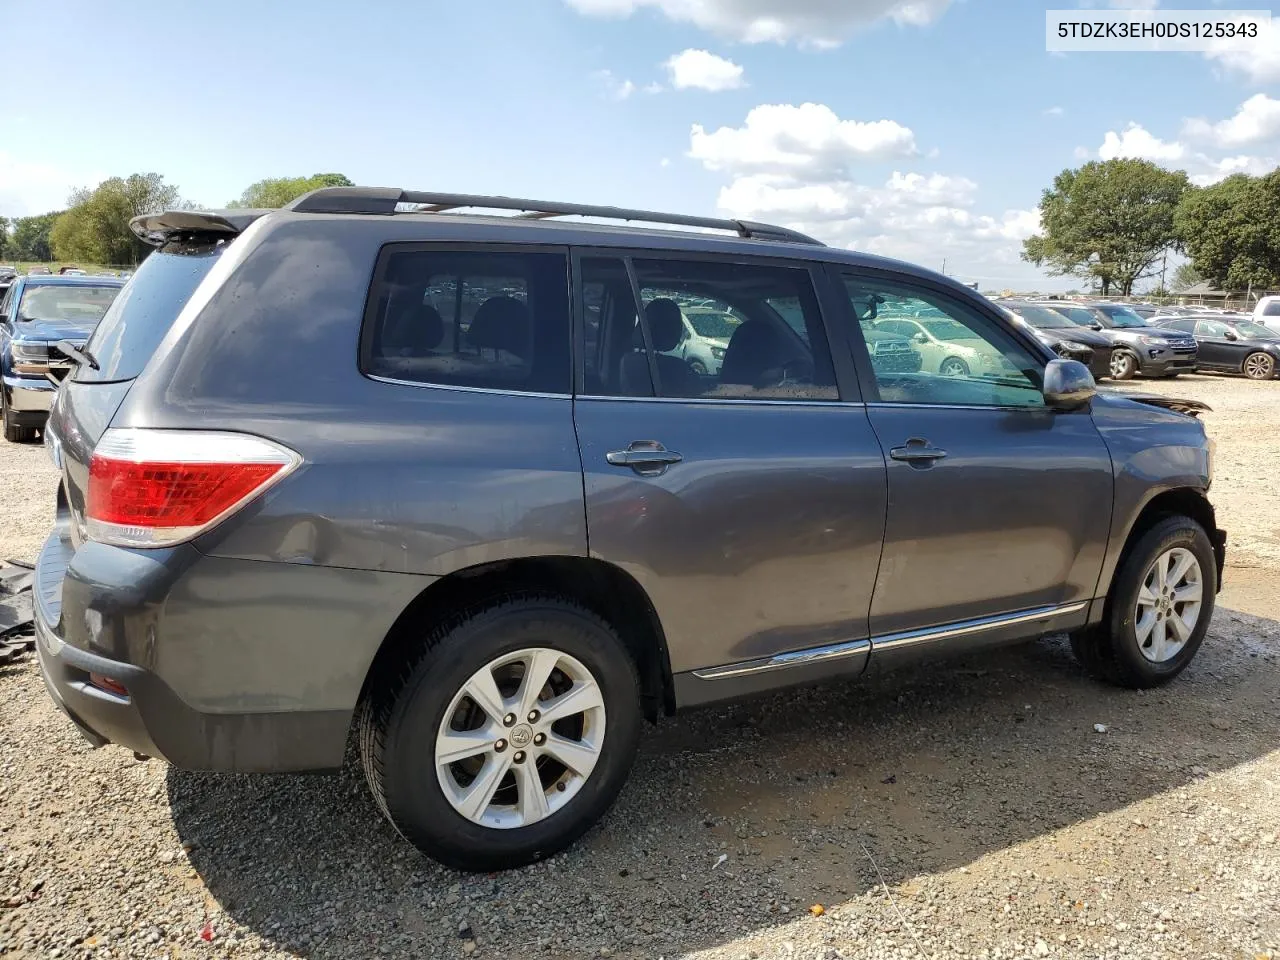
1257, 120
816, 22
808, 141
664, 162
1215, 170
614, 87
702, 70
27, 189
1259, 61
1136, 142
1133, 4
1054, 112
933, 189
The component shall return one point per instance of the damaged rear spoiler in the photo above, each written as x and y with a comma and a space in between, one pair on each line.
158, 229
1192, 408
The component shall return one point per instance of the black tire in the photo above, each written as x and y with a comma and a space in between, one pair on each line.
1111, 650
1259, 366
1124, 365
698, 367
956, 366
12, 432
400, 719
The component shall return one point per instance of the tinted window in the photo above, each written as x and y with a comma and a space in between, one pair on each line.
495, 320
1272, 309
1122, 316
1247, 328
969, 359
1186, 326
772, 344
145, 309
1211, 328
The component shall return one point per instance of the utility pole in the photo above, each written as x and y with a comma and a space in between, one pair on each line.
1164, 265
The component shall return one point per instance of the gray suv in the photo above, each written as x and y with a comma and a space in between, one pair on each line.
369, 464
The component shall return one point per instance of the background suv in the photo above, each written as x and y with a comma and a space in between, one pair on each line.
494, 531
1139, 347
37, 312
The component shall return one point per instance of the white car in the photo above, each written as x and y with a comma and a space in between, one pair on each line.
1267, 313
945, 346
707, 330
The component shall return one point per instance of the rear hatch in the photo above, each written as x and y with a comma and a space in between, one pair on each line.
188, 246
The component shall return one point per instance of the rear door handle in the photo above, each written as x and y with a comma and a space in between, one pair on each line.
645, 457
917, 450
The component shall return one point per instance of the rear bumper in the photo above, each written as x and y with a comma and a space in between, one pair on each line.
226, 666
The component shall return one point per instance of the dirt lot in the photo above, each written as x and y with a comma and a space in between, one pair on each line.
965, 810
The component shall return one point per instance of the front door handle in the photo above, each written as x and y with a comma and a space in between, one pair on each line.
646, 457
918, 450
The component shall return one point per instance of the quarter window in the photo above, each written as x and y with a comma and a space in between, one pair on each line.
927, 348
494, 320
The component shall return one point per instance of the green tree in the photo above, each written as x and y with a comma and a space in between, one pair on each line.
1231, 231
95, 228
4, 237
1108, 221
277, 192
1185, 276
30, 237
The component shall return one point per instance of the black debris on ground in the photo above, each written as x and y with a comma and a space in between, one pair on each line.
17, 631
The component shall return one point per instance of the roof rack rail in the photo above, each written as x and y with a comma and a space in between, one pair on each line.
384, 200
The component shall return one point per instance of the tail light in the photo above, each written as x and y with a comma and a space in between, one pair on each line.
156, 488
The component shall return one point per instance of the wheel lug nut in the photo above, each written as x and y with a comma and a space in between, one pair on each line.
518, 756
540, 739
533, 716
500, 745
509, 720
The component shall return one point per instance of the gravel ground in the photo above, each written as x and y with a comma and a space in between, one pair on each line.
965, 810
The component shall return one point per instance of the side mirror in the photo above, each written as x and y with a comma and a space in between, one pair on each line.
1068, 385
1095, 325
1231, 335
919, 338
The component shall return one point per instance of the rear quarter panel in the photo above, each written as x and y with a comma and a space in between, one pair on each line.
402, 478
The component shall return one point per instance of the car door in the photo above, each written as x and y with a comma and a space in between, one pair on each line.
1216, 348
749, 502
999, 507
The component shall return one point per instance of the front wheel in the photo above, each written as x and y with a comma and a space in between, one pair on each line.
953, 367
509, 735
698, 367
1259, 366
1158, 610
1124, 365
12, 431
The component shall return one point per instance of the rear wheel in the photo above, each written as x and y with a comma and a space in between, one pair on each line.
1259, 366
698, 367
1159, 608
507, 737
954, 367
1124, 365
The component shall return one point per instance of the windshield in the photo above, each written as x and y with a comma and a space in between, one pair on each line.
82, 304
714, 326
1041, 317
1248, 328
948, 330
1123, 317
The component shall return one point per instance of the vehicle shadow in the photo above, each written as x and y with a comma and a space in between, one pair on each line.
814, 796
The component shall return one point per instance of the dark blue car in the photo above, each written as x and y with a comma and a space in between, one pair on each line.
36, 313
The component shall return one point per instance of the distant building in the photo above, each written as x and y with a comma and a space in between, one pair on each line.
1204, 293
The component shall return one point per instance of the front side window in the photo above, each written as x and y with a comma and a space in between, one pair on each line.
1272, 309
1211, 328
493, 320
1256, 331
704, 329
962, 356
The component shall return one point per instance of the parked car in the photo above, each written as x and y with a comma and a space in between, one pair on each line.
1137, 346
37, 314
495, 552
945, 346
1267, 312
704, 336
38, 271
7, 272
1067, 339
1233, 346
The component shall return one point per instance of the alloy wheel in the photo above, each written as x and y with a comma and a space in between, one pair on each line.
1259, 366
520, 738
1169, 604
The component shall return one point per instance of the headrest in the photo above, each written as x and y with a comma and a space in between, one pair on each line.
501, 323
666, 323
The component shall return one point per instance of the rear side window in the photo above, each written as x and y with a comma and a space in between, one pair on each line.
145, 309
1272, 309
495, 320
